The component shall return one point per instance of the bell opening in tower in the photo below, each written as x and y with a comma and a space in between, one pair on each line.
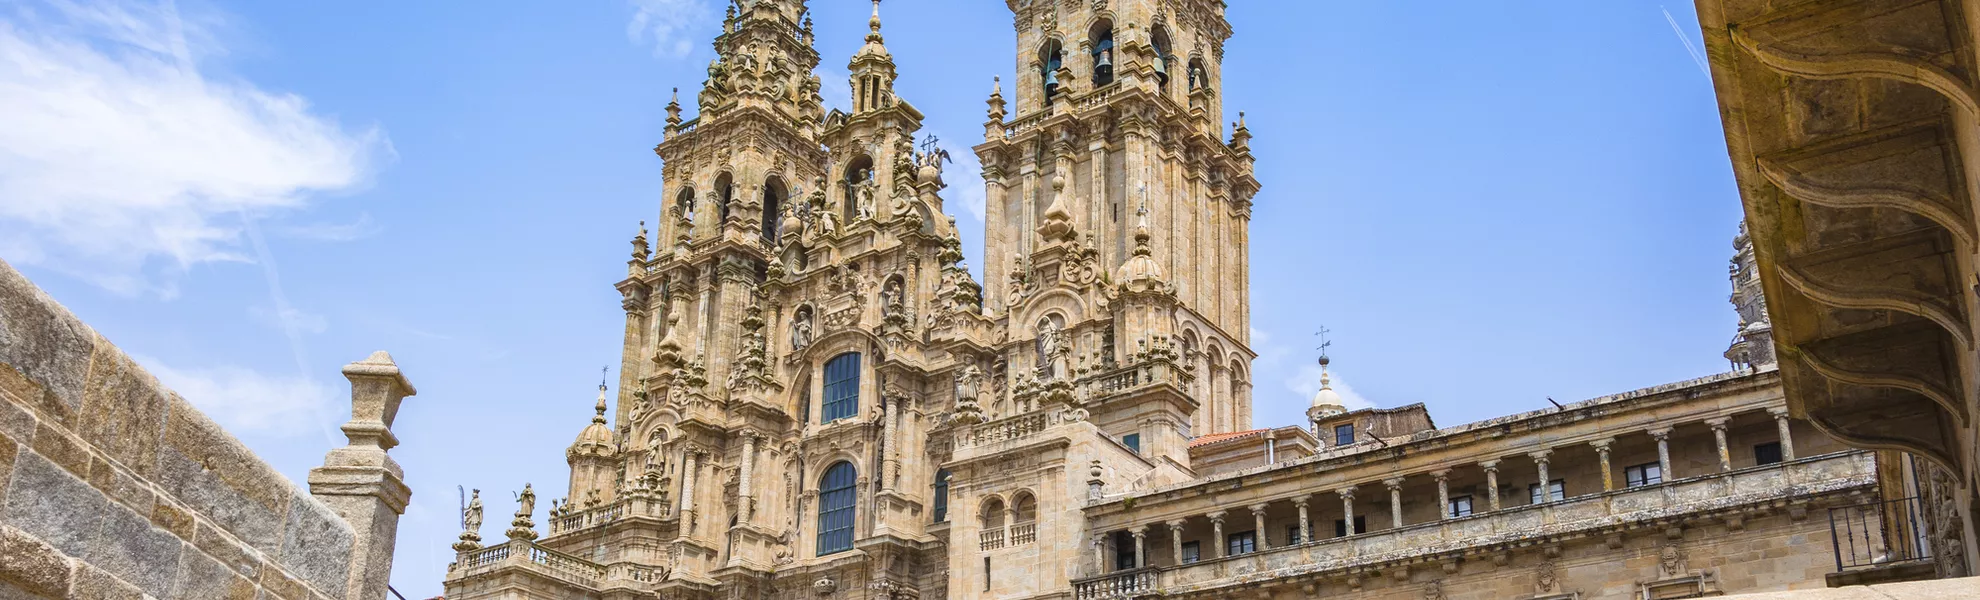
1102, 36
1050, 58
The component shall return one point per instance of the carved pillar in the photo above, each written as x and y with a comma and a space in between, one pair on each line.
1787, 438
1491, 482
1347, 509
1540, 459
1217, 533
1719, 434
744, 490
1100, 553
1602, 449
1175, 541
1140, 546
1395, 501
1663, 435
1258, 524
889, 406
689, 469
1305, 527
1443, 492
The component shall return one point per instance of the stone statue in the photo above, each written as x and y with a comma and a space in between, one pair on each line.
866, 190
1672, 560
801, 330
891, 299
1196, 77
526, 502
969, 384
471, 516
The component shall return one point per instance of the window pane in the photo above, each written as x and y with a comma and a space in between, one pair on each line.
1191, 552
1767, 454
941, 495
841, 387
836, 495
1461, 506
1344, 434
1132, 441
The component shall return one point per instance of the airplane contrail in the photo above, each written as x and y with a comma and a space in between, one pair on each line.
1697, 57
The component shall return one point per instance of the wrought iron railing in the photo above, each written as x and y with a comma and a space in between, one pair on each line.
1878, 534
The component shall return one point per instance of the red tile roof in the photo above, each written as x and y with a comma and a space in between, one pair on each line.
1219, 437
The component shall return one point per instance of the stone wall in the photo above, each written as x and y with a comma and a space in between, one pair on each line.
112, 486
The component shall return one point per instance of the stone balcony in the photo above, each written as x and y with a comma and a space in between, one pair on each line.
1608, 513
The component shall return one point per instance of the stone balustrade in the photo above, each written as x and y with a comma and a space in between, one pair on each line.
529, 555
606, 513
1607, 511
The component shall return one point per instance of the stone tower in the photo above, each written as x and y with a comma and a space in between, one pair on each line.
1753, 346
1116, 127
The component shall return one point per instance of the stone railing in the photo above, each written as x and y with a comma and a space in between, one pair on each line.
574, 568
1025, 124
1097, 97
1024, 533
1120, 584
1007, 429
992, 539
607, 513
529, 555
1099, 385
1606, 511
485, 557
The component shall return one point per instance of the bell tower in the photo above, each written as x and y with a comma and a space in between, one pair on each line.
1115, 126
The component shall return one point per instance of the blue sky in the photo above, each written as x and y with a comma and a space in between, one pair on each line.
1487, 203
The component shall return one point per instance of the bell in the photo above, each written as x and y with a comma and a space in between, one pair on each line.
1106, 60
1162, 67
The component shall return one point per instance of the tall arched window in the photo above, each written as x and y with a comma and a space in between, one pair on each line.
773, 206
841, 387
1162, 57
1049, 59
1102, 36
726, 188
836, 495
941, 495
685, 204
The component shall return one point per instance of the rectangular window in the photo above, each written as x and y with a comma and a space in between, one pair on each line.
842, 387
1192, 552
1292, 535
941, 495
1643, 474
1767, 454
986, 573
1344, 434
1243, 542
1132, 441
1123, 550
1556, 491
1461, 506
1360, 526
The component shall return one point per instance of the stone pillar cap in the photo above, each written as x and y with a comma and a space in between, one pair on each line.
380, 364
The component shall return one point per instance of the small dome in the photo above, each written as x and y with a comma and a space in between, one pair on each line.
596, 437
1327, 401
1140, 268
875, 45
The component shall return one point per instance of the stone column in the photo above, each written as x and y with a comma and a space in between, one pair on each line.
1217, 533
688, 471
1305, 527
1140, 546
1540, 459
1602, 449
1719, 434
1443, 491
361, 483
1663, 435
1099, 553
1787, 438
1347, 509
890, 462
1258, 524
1491, 482
1175, 541
743, 487
1395, 501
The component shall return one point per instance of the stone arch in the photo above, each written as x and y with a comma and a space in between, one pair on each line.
859, 169
775, 193
725, 194
990, 511
1100, 38
1024, 507
1051, 56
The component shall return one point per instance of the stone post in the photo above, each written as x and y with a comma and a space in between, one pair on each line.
1787, 439
1602, 449
1491, 482
1719, 434
1100, 553
1305, 526
1217, 533
688, 471
1395, 501
1540, 459
1663, 435
889, 406
1443, 491
743, 487
1258, 524
1347, 509
1175, 541
1140, 546
362, 484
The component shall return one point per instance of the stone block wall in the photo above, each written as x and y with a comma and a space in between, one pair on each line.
114, 487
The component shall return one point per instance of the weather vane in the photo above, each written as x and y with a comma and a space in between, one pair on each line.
601, 375
1323, 341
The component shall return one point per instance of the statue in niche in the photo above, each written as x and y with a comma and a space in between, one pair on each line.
801, 329
1197, 79
864, 191
969, 384
892, 301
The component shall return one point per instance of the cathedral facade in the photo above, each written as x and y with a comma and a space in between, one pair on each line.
817, 399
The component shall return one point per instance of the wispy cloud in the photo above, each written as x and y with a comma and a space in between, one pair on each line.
667, 25
289, 319
248, 401
124, 163
1306, 381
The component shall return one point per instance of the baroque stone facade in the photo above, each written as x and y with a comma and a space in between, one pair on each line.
818, 400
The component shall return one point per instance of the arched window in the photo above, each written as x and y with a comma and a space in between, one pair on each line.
836, 495
992, 514
941, 495
685, 203
1102, 36
1049, 59
1025, 507
1162, 57
1198, 78
773, 205
841, 387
